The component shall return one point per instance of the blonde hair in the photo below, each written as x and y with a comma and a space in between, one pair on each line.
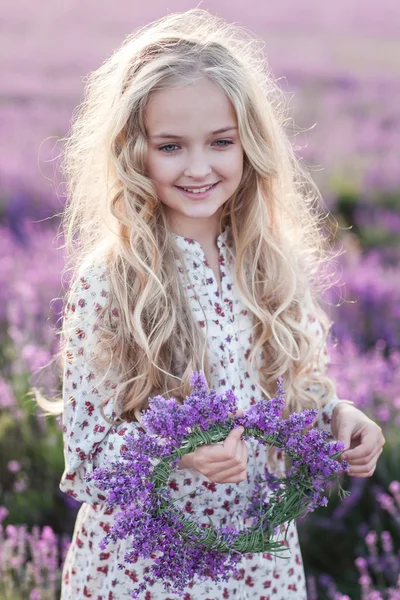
276, 230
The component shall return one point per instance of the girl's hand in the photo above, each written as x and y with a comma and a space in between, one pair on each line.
362, 437
220, 463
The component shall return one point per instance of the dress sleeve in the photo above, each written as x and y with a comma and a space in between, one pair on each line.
313, 325
90, 440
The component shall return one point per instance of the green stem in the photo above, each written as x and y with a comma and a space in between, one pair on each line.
258, 537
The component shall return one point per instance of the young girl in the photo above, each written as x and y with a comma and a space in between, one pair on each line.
195, 246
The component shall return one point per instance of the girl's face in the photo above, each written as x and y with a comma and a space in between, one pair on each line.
187, 149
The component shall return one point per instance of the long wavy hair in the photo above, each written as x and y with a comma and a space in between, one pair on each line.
276, 227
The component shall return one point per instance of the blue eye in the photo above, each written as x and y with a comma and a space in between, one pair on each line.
228, 142
168, 146
164, 148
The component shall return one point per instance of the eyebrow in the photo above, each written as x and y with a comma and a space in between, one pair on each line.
180, 137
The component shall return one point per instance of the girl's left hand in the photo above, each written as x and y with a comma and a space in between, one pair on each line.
362, 437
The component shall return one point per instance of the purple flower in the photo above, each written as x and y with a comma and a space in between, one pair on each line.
138, 484
13, 466
3, 513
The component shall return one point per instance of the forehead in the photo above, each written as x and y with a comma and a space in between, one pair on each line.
188, 109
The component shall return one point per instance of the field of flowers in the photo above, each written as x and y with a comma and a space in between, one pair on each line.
339, 62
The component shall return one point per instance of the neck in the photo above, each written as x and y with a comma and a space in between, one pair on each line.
200, 230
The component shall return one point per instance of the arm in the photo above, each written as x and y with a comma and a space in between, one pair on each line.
327, 410
89, 439
362, 437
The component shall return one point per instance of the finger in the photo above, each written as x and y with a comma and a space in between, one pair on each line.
229, 476
216, 454
222, 472
239, 452
364, 470
363, 461
245, 453
362, 474
242, 454
219, 467
225, 452
366, 448
367, 468
231, 441
221, 451
235, 433
371, 438
344, 436
239, 462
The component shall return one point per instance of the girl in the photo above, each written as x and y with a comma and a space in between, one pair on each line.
195, 245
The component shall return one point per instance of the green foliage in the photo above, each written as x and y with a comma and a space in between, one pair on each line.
34, 443
378, 236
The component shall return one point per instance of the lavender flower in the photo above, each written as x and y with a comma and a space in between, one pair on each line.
138, 485
30, 562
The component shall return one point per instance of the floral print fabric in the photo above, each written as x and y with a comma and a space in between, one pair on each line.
90, 441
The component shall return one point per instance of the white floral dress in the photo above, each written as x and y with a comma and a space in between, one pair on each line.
89, 441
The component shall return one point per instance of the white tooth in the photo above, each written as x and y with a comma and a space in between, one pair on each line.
199, 190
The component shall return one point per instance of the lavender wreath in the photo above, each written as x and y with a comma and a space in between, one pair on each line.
182, 547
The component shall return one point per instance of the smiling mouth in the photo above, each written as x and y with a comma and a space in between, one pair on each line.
198, 190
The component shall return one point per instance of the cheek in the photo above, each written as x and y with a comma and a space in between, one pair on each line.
234, 167
161, 171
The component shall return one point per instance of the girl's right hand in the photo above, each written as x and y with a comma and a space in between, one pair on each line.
220, 463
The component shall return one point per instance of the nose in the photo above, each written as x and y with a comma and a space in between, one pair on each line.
198, 166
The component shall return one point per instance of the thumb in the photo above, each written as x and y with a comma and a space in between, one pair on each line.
234, 436
344, 435
237, 432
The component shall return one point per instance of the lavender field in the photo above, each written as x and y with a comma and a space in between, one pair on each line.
340, 65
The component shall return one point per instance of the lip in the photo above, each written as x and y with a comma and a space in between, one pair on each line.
198, 196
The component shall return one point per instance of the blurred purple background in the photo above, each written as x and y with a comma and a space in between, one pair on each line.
341, 59
339, 62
